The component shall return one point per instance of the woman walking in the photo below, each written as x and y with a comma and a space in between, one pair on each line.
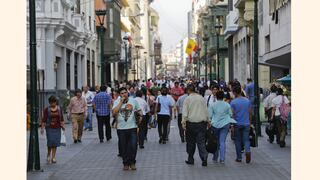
220, 114
164, 114
52, 121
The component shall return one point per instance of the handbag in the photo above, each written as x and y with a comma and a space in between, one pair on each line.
252, 137
211, 141
63, 141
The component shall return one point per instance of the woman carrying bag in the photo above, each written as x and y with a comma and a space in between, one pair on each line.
52, 121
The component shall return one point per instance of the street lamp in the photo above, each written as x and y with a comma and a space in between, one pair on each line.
205, 39
101, 15
126, 38
218, 28
145, 65
256, 68
33, 154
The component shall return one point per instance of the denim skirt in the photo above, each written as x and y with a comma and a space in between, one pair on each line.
53, 137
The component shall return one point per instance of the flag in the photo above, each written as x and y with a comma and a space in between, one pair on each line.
190, 46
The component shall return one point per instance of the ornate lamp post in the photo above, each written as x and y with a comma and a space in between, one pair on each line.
218, 28
33, 154
101, 15
205, 39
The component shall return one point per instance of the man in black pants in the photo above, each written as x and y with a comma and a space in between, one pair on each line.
195, 120
102, 106
179, 106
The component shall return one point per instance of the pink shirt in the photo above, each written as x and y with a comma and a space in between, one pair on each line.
77, 105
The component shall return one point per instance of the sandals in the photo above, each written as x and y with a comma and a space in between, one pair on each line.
54, 160
48, 159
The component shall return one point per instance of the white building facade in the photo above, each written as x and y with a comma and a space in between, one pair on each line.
66, 45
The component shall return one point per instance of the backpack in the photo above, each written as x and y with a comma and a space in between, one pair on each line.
284, 110
211, 141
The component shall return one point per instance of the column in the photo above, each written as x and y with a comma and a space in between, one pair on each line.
72, 71
112, 73
116, 72
50, 58
62, 70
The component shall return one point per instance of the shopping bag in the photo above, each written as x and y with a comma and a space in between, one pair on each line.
252, 137
211, 141
63, 141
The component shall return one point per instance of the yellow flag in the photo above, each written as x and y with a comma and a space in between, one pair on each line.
190, 46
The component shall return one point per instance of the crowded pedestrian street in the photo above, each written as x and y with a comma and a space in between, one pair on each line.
99, 161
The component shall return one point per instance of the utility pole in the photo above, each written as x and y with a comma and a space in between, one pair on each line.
256, 70
33, 154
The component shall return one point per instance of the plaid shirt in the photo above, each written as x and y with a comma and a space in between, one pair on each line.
102, 102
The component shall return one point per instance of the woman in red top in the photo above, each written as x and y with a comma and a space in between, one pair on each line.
53, 122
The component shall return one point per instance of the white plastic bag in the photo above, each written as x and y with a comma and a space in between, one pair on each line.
63, 141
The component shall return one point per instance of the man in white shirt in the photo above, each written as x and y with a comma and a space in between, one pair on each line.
179, 106
280, 126
212, 97
88, 95
268, 112
143, 126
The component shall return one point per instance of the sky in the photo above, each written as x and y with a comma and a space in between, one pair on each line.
173, 25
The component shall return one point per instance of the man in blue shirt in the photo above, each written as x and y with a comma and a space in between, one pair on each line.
102, 105
125, 109
241, 108
250, 90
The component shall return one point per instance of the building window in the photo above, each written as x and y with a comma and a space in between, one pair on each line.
93, 68
90, 23
76, 71
88, 67
267, 44
68, 69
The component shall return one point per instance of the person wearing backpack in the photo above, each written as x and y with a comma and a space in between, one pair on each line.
280, 112
52, 121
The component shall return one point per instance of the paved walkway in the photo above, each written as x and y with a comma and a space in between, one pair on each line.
95, 161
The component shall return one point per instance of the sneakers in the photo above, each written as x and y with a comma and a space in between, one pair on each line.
133, 167
248, 157
75, 141
238, 160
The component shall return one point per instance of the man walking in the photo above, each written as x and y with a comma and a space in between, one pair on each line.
88, 95
195, 121
241, 108
143, 126
102, 105
210, 99
125, 109
77, 111
179, 106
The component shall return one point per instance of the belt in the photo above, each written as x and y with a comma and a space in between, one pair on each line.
197, 122
78, 113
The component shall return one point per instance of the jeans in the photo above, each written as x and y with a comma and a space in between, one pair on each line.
88, 120
181, 131
242, 136
104, 120
128, 145
142, 130
195, 134
221, 134
280, 129
163, 121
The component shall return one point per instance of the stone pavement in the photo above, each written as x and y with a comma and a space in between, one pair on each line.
92, 160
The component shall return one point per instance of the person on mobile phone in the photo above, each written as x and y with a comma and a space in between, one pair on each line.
125, 109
